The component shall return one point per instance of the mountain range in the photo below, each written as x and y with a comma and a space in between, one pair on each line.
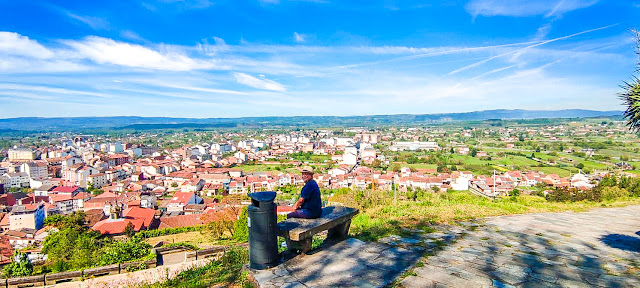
147, 123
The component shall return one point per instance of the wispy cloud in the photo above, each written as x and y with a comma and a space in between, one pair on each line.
51, 90
94, 22
519, 8
108, 51
128, 34
264, 84
180, 4
525, 48
298, 37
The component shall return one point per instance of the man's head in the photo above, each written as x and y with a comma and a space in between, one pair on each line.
307, 173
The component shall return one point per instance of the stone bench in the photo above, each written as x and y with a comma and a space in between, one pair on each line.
299, 232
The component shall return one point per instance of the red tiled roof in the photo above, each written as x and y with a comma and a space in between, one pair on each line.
181, 221
117, 226
181, 197
83, 195
145, 214
107, 195
65, 189
53, 198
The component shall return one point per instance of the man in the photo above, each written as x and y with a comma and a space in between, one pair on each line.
309, 205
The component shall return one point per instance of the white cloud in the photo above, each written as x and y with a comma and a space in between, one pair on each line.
94, 22
519, 8
519, 51
107, 51
254, 82
18, 45
51, 90
132, 36
298, 37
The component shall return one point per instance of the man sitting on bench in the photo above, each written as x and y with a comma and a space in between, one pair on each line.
309, 205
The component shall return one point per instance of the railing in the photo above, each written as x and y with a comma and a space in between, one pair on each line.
68, 276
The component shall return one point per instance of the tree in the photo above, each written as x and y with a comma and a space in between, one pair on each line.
631, 94
240, 228
129, 230
21, 266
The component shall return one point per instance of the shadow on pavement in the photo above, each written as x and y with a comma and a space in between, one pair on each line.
624, 242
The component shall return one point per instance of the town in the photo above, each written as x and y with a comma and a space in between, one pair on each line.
147, 181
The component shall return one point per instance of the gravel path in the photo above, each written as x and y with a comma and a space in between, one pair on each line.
599, 248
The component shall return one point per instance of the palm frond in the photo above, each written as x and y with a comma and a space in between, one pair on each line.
630, 96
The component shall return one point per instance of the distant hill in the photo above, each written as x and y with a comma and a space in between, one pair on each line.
145, 123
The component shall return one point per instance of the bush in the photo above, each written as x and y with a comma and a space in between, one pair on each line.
573, 195
20, 266
123, 251
613, 193
166, 231
240, 227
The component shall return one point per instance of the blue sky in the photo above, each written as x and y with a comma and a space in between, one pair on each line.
202, 58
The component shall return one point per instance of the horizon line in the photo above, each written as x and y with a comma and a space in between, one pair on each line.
365, 115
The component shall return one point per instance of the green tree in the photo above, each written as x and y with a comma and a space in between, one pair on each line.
631, 94
129, 230
240, 228
123, 251
20, 266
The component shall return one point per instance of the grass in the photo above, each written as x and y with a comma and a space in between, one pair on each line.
421, 166
194, 237
383, 218
226, 272
554, 170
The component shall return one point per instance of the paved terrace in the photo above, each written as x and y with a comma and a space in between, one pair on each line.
599, 248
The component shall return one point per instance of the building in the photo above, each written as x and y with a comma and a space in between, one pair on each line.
181, 199
97, 180
414, 146
21, 154
17, 180
27, 216
35, 170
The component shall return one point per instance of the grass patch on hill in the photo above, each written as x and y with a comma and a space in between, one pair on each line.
379, 217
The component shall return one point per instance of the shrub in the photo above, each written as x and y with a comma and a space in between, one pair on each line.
613, 193
240, 227
20, 266
166, 231
123, 251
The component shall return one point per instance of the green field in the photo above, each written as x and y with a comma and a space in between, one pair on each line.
421, 166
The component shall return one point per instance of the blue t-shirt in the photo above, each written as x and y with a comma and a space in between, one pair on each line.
312, 201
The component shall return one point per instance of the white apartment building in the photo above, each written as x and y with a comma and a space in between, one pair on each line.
35, 170
18, 154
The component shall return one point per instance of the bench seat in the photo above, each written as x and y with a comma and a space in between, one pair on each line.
299, 232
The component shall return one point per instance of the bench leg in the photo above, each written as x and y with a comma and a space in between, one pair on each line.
304, 245
339, 233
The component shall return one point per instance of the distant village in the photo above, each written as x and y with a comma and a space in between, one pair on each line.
118, 184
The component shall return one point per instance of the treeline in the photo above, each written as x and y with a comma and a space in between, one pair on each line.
610, 188
73, 247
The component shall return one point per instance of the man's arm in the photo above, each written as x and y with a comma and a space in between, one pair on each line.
298, 203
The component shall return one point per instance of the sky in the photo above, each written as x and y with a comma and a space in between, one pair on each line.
243, 58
